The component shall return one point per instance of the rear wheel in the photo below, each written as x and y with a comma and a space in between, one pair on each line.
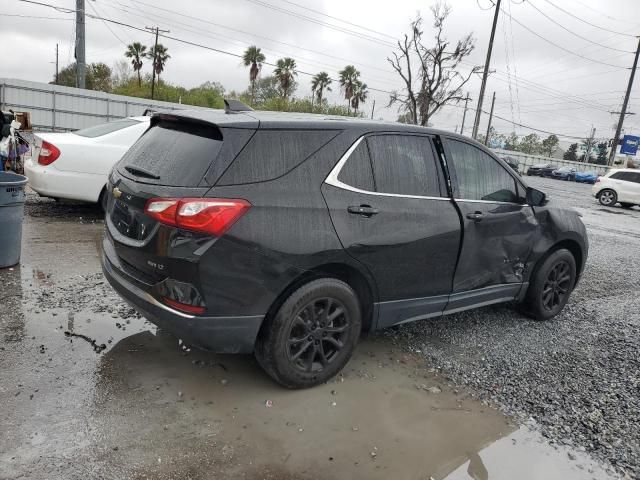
312, 335
626, 205
550, 286
607, 197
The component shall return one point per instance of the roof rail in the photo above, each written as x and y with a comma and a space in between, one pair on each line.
234, 106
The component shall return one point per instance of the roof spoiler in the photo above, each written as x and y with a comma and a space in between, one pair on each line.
235, 106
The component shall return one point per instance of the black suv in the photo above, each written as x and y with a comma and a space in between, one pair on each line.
288, 235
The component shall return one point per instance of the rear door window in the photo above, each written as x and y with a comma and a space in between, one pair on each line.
404, 165
170, 153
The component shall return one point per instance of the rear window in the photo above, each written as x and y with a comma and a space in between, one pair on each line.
105, 128
173, 154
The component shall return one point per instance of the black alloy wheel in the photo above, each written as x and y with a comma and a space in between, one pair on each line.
550, 286
317, 334
312, 334
557, 286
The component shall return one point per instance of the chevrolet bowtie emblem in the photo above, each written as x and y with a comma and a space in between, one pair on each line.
117, 193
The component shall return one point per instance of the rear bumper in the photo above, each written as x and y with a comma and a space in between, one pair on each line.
48, 181
218, 334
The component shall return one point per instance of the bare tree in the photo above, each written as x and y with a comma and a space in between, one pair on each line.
431, 74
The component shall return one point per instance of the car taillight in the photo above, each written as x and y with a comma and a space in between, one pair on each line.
598, 180
207, 215
49, 153
184, 307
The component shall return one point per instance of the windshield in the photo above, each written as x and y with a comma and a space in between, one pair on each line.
105, 128
541, 165
564, 169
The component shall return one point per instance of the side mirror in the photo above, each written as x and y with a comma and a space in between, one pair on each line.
536, 198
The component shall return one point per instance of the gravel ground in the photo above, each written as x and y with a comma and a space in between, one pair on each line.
578, 375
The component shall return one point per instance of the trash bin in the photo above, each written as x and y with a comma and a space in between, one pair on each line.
12, 197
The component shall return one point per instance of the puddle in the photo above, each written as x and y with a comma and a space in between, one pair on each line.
146, 406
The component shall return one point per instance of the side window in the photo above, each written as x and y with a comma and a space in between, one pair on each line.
479, 176
357, 171
618, 176
635, 177
404, 164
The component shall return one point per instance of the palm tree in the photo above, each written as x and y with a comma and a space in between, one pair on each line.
254, 57
159, 56
136, 52
319, 83
360, 95
348, 78
285, 72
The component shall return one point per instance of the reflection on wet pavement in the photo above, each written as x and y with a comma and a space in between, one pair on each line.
145, 407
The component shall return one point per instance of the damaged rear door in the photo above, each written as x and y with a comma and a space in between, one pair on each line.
499, 229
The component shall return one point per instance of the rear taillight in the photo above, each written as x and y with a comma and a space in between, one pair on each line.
49, 153
184, 307
207, 215
598, 180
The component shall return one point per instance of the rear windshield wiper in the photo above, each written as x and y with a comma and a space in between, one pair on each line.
141, 172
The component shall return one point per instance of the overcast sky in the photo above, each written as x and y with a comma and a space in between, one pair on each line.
537, 84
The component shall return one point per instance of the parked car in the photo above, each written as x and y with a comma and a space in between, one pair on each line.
288, 235
564, 173
513, 163
586, 177
75, 165
542, 169
622, 185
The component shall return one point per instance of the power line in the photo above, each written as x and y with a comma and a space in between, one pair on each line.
574, 33
340, 20
32, 16
587, 22
560, 46
208, 34
320, 22
107, 25
298, 47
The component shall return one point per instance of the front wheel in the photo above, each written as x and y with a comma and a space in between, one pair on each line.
312, 335
550, 286
607, 197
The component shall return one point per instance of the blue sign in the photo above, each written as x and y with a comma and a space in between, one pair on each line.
629, 145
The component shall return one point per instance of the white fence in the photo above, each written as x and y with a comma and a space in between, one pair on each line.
57, 108
529, 160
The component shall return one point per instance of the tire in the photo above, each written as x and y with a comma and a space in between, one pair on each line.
301, 320
607, 197
626, 205
551, 285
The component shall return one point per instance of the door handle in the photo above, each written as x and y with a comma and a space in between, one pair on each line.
364, 210
475, 216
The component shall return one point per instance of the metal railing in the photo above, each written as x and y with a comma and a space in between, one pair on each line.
526, 161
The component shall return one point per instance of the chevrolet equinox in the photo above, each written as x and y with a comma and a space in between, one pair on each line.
288, 235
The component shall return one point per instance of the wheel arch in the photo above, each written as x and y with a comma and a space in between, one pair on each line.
351, 275
574, 248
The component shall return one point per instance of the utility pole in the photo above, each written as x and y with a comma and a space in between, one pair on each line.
486, 138
373, 108
623, 112
464, 115
588, 154
155, 52
80, 53
485, 72
56, 64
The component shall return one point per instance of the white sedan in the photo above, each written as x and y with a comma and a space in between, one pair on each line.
75, 165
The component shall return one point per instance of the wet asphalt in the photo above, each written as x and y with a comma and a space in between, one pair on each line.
91, 390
